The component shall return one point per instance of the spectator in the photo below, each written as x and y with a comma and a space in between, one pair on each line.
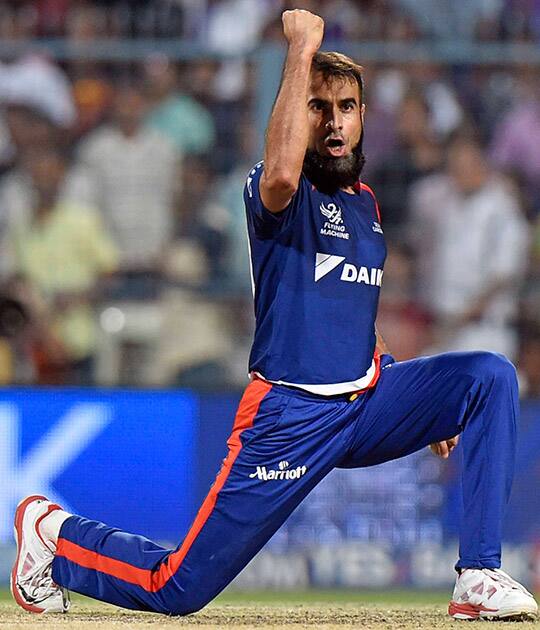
61, 254
175, 114
196, 343
221, 32
380, 135
342, 19
404, 324
224, 216
30, 130
442, 19
516, 139
417, 154
205, 80
92, 95
38, 84
446, 115
519, 20
136, 174
530, 302
529, 359
37, 103
221, 35
471, 240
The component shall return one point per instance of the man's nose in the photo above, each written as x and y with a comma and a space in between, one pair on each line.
335, 123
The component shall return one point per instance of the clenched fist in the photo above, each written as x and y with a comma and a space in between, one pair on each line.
303, 29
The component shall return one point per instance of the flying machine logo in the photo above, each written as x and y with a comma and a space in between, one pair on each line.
334, 225
332, 213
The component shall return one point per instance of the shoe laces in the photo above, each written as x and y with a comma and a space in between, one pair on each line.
506, 579
500, 576
39, 586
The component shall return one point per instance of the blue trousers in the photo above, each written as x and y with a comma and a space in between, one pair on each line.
284, 442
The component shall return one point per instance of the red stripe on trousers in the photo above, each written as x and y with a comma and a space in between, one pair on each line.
377, 359
153, 581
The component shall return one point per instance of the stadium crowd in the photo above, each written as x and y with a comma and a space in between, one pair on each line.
124, 258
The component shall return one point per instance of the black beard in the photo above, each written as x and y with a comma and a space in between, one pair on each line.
329, 174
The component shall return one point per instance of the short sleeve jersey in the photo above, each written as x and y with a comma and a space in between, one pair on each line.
317, 270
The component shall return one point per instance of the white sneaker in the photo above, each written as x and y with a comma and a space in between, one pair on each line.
32, 585
490, 594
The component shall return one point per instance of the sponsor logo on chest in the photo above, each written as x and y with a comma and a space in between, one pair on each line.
325, 263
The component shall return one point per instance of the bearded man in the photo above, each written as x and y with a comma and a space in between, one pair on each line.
324, 391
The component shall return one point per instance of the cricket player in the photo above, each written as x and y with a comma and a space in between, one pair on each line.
324, 393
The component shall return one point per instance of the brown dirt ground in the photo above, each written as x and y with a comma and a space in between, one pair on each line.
89, 616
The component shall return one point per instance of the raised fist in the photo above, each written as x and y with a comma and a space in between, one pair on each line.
303, 29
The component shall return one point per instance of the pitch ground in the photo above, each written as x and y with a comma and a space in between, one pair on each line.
262, 611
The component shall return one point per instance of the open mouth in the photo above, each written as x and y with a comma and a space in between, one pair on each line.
335, 146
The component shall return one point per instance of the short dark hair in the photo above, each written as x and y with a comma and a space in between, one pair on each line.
334, 64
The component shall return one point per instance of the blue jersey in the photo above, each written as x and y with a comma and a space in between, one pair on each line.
317, 269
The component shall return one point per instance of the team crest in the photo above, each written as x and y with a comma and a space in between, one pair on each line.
334, 225
332, 213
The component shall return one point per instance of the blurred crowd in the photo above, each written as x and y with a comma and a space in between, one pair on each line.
211, 20
124, 255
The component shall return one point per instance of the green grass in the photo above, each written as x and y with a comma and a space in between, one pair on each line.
343, 596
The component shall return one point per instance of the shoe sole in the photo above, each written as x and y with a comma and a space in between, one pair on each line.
468, 612
19, 517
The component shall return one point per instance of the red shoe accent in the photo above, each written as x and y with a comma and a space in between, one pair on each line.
471, 610
19, 515
52, 508
491, 591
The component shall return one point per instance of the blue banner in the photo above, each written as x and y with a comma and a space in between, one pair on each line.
123, 457
144, 460
522, 522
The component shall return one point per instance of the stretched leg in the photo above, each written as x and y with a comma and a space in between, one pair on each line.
275, 458
431, 399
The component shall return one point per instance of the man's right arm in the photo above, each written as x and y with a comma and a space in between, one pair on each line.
288, 130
